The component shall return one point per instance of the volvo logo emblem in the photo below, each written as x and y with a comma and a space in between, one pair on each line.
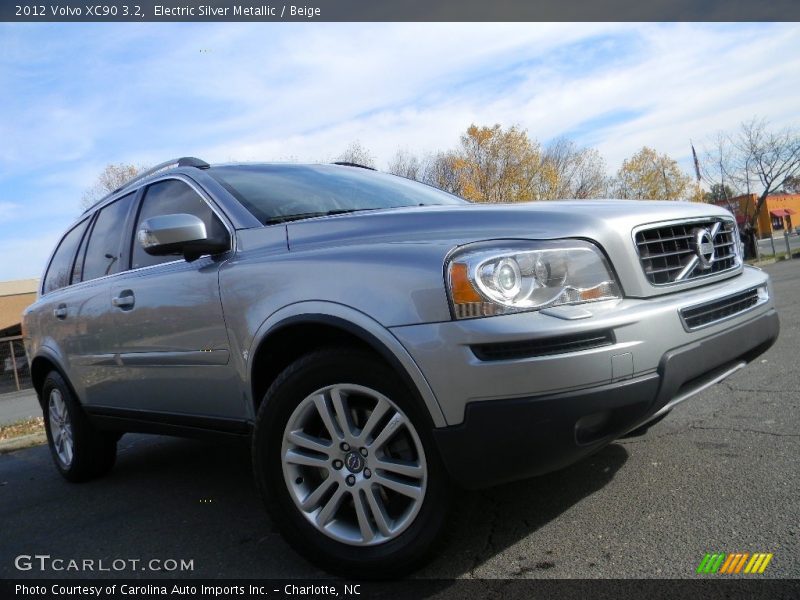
703, 243
354, 462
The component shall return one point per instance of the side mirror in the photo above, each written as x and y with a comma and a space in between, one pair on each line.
179, 234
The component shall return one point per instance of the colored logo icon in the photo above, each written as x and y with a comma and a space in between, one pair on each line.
739, 562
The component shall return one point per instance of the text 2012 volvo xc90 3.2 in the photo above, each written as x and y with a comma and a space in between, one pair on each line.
379, 340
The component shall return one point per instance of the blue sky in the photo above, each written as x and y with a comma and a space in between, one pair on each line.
76, 97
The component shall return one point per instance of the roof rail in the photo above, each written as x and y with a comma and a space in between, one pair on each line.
185, 161
352, 164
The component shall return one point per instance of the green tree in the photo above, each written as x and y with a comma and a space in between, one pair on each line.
719, 193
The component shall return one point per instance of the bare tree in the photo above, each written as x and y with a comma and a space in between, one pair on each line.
111, 177
441, 170
568, 171
716, 169
357, 154
406, 164
765, 159
755, 159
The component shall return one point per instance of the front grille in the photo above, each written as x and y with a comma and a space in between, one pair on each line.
718, 310
669, 254
544, 347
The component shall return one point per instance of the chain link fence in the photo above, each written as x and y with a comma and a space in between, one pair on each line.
15, 375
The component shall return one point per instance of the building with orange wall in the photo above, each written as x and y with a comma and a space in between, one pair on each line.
780, 213
15, 296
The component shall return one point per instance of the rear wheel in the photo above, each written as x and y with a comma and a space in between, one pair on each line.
80, 452
346, 464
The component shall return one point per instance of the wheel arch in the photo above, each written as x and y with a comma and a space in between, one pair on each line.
41, 365
285, 337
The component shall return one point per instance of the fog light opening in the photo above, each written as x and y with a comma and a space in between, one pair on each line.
592, 427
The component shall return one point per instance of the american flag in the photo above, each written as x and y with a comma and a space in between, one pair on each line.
696, 163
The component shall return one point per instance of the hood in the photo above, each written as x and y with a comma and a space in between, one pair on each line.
608, 223
474, 222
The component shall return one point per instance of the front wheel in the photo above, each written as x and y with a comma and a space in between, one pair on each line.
347, 467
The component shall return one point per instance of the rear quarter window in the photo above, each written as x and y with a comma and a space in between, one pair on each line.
59, 271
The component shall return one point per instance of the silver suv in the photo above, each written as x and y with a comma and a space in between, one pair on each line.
378, 340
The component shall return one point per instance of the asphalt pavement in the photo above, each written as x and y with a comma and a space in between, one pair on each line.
720, 474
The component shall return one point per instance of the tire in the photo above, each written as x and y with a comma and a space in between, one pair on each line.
80, 452
362, 517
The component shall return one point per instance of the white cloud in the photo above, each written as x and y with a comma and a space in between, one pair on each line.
683, 81
308, 91
78, 97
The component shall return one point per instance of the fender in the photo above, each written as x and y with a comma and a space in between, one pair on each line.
359, 325
54, 356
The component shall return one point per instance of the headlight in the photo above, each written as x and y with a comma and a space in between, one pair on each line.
496, 278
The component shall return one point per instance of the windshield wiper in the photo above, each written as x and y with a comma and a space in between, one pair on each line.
311, 215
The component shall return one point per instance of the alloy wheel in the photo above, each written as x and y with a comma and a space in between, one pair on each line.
60, 428
354, 464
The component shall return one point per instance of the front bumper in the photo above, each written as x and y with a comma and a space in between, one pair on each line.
513, 417
505, 440
643, 331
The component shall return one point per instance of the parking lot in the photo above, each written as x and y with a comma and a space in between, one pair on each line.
719, 475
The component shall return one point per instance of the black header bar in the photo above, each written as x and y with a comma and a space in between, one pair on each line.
397, 10
708, 588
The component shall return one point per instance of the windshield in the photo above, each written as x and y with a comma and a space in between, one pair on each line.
279, 193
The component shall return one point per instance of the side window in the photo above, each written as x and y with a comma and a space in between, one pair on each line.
60, 269
77, 269
103, 252
171, 197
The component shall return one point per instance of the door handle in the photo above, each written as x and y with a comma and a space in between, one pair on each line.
60, 312
124, 300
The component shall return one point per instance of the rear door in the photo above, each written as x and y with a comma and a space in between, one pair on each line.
54, 322
102, 257
76, 317
170, 332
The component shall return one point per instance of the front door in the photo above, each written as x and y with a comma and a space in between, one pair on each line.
171, 338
